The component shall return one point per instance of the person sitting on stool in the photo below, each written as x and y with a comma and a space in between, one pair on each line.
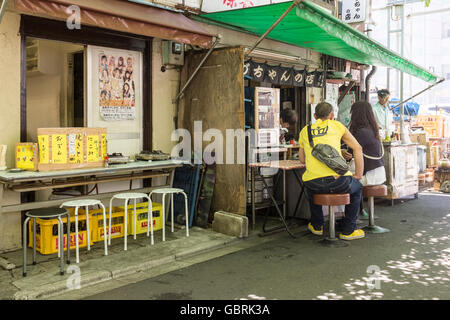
320, 179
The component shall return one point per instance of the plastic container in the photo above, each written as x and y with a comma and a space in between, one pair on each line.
142, 217
47, 233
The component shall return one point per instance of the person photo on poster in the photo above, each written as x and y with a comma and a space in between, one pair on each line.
117, 97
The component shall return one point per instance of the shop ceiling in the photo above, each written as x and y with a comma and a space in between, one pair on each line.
310, 26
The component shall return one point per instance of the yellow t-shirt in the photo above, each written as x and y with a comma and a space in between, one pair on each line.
327, 132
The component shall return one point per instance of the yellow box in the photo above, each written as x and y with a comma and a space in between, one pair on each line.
26, 155
142, 217
117, 223
47, 233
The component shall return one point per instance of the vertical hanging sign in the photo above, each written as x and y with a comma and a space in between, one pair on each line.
353, 11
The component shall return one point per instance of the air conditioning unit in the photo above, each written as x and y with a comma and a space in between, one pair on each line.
172, 53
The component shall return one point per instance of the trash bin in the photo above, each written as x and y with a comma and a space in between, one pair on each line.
422, 158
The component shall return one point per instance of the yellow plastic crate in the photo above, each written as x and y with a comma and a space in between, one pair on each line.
117, 223
142, 217
47, 233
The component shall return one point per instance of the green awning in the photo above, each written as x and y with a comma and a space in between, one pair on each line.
310, 26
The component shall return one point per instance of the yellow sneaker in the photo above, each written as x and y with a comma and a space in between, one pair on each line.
356, 234
314, 231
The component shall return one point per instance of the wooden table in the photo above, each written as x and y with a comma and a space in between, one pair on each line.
33, 181
283, 165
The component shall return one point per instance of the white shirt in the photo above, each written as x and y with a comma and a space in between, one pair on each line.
384, 117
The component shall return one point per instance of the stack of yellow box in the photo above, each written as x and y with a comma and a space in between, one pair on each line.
47, 233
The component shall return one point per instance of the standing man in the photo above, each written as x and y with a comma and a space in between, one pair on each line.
382, 113
319, 178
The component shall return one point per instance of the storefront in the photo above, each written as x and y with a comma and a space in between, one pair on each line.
61, 74
220, 98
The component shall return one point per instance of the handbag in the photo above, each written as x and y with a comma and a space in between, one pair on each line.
328, 156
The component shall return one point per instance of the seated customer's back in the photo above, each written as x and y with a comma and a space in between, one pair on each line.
364, 128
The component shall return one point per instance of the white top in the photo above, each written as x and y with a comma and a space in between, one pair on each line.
130, 195
81, 203
167, 190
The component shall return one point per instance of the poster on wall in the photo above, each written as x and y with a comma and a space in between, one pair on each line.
117, 85
332, 96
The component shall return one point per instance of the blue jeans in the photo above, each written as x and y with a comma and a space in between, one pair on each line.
344, 184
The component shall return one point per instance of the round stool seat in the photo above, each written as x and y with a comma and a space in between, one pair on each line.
375, 191
46, 213
167, 190
81, 203
330, 199
130, 195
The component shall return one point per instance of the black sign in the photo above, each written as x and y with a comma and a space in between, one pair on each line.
247, 68
273, 74
284, 76
319, 79
310, 79
258, 71
298, 79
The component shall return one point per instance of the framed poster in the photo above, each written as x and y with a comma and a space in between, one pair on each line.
267, 116
114, 97
115, 83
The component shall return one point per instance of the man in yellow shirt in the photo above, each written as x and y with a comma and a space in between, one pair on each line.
319, 178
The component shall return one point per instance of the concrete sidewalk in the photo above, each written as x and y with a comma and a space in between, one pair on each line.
43, 280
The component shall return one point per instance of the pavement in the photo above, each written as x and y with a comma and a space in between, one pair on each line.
44, 281
411, 262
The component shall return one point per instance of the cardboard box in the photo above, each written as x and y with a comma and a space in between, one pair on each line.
71, 148
420, 138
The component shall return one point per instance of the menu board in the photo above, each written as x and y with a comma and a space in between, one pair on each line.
71, 148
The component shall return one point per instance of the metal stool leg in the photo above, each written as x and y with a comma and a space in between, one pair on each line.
25, 230
77, 249
125, 224
110, 214
187, 213
331, 240
88, 230
61, 244
150, 208
164, 219
104, 229
34, 241
135, 219
171, 214
59, 239
372, 228
69, 239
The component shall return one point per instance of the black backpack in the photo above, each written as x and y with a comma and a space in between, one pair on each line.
328, 156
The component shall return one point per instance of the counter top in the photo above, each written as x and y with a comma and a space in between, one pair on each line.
6, 176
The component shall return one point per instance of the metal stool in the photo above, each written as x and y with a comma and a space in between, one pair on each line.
332, 200
171, 191
371, 192
86, 203
46, 213
127, 196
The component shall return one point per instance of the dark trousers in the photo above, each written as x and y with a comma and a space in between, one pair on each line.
344, 184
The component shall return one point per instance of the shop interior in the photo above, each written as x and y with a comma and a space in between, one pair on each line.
55, 85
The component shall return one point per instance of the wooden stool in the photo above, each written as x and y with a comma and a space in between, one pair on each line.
371, 192
332, 200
